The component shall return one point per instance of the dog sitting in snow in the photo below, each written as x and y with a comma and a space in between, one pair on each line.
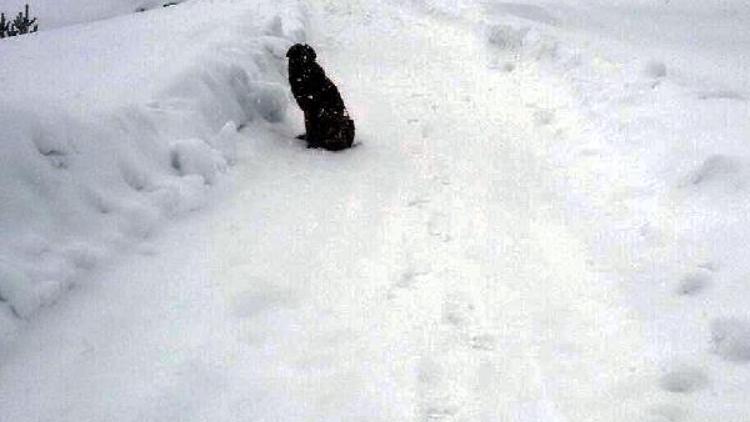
327, 123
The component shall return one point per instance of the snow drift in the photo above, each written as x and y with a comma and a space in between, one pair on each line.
105, 135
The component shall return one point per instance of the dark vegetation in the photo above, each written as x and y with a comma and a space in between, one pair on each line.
168, 4
21, 24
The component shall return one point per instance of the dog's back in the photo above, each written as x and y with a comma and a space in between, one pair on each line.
307, 81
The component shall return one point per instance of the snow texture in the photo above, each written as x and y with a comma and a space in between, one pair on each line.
546, 218
128, 134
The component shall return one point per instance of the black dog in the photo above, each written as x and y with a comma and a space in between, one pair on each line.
327, 122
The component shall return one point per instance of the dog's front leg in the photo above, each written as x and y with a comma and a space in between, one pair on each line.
312, 135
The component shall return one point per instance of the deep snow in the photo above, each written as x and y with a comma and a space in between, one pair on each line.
129, 131
545, 221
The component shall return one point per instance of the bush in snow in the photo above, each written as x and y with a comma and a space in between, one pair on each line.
18, 26
3, 26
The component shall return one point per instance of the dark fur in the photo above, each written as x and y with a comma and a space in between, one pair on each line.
327, 123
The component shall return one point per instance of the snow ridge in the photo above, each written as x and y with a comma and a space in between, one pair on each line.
89, 173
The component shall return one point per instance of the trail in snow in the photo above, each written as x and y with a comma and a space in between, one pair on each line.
426, 275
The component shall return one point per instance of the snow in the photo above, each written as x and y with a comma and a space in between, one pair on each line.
195, 157
545, 219
53, 14
731, 339
97, 156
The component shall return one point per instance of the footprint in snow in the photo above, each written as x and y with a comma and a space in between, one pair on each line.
429, 372
439, 413
439, 226
683, 380
251, 303
457, 311
709, 266
717, 169
436, 404
410, 277
655, 69
666, 413
721, 95
502, 65
441, 179
544, 117
693, 284
730, 338
418, 202
483, 342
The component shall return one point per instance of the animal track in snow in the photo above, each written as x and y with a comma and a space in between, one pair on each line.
439, 413
410, 277
683, 380
709, 266
457, 311
655, 69
418, 202
428, 371
666, 413
721, 95
716, 169
437, 404
693, 284
504, 66
251, 303
484, 342
544, 117
731, 339
439, 226
507, 38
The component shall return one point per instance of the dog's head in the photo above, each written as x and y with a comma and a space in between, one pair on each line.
301, 53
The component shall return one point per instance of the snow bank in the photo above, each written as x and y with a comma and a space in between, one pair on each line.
97, 156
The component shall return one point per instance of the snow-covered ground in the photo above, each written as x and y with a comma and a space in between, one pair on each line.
545, 219
53, 14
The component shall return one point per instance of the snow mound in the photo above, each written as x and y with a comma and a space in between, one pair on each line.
271, 101
138, 136
196, 157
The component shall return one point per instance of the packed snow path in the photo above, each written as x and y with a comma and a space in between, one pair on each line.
425, 275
